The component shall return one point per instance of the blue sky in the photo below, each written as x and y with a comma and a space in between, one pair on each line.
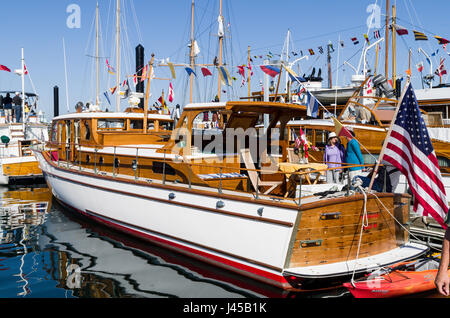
163, 28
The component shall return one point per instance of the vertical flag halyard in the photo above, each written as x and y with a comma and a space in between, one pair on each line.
409, 149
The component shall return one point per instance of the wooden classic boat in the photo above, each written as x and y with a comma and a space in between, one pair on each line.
213, 195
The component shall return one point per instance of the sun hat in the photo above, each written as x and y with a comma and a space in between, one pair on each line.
331, 135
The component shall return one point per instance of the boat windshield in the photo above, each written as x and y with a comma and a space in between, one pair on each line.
111, 124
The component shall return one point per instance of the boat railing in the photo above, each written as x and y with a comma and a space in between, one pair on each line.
296, 177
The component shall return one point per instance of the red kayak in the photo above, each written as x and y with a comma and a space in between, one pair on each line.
397, 280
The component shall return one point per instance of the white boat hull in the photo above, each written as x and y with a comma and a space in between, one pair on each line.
249, 238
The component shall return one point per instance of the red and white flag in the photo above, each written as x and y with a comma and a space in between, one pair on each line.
25, 69
4, 68
171, 94
409, 149
441, 69
420, 67
369, 86
144, 73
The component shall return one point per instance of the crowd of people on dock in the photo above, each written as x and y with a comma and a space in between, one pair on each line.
11, 108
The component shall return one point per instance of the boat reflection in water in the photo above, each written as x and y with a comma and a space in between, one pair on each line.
45, 252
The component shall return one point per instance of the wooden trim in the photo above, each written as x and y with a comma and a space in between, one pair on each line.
293, 239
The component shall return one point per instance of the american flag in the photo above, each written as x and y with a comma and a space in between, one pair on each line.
410, 150
299, 141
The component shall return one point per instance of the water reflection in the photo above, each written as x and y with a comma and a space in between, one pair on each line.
48, 252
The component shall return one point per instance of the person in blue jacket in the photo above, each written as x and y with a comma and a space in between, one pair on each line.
353, 155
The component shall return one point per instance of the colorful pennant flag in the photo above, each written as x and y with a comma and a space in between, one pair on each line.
376, 34
311, 52
355, 41
341, 130
441, 70
189, 70
441, 40
320, 50
420, 67
144, 73
367, 38
312, 105
4, 68
110, 68
171, 93
419, 36
400, 30
113, 90
225, 76
241, 70
206, 71
270, 70
172, 70
107, 97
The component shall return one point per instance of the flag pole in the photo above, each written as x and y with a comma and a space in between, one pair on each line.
380, 158
249, 74
147, 94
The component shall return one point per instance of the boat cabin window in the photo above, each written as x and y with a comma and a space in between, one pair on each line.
54, 131
76, 126
136, 124
110, 124
165, 125
87, 130
151, 125
321, 138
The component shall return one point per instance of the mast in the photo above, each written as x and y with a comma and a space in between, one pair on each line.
386, 57
118, 55
249, 73
330, 84
23, 91
98, 56
288, 36
192, 51
393, 46
220, 49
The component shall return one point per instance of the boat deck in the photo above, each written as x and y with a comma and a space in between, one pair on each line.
289, 202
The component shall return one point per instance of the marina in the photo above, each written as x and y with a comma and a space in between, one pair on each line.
243, 179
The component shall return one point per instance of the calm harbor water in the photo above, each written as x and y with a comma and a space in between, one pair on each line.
47, 252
